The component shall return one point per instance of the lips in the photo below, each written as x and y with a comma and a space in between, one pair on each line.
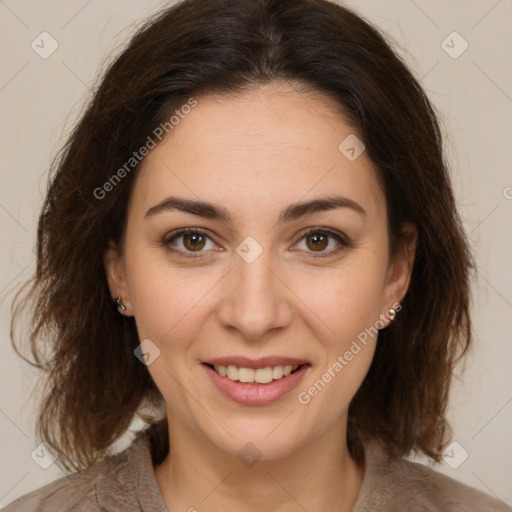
263, 362
255, 381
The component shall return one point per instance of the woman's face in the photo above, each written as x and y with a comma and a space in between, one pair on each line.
253, 289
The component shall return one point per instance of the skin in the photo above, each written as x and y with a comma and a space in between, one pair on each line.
255, 154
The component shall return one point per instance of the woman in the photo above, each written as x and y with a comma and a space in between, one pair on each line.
259, 188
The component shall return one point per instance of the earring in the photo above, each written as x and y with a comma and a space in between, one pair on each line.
391, 314
120, 305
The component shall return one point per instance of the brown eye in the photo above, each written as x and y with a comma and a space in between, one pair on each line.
188, 240
317, 241
323, 242
193, 241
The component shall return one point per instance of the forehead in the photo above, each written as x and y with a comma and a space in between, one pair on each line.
257, 150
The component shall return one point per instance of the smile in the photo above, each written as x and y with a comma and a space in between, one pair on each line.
250, 375
255, 382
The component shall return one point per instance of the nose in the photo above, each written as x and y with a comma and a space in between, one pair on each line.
255, 300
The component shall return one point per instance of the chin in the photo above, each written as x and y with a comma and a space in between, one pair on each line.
259, 439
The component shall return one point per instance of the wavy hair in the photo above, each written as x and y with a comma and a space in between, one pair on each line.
94, 386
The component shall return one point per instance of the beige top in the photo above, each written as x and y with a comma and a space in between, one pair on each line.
125, 482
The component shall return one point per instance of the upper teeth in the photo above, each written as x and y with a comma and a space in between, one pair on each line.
261, 375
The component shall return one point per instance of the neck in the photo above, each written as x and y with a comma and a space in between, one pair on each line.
318, 476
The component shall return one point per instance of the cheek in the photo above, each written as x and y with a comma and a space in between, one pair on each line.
168, 301
340, 301
348, 303
346, 300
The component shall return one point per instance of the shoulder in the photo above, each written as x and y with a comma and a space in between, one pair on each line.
437, 492
82, 491
391, 484
74, 492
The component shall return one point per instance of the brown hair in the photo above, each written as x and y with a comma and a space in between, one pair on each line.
95, 384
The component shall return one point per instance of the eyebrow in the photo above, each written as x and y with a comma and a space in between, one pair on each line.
292, 212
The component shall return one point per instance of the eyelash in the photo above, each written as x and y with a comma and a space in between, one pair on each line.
344, 242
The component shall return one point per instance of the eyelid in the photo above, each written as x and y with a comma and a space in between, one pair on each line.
166, 242
343, 240
183, 231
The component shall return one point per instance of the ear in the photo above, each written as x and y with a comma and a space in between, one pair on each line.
116, 276
400, 267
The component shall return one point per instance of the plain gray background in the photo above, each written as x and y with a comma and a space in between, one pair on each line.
40, 99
